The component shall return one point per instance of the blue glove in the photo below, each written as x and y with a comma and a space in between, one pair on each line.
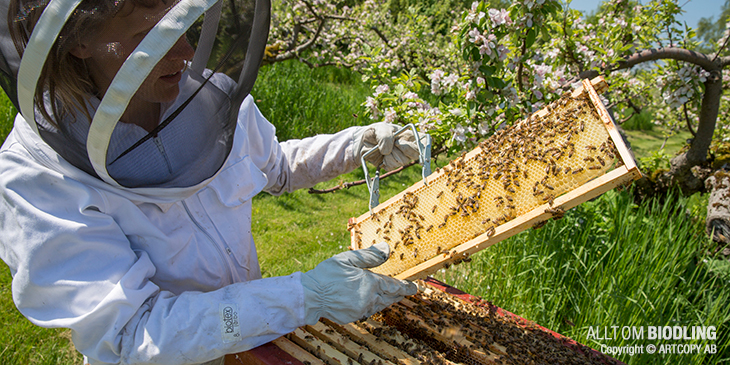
340, 289
393, 151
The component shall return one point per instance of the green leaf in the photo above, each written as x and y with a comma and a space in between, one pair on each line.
487, 70
531, 35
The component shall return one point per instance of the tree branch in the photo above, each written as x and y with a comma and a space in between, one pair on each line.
523, 49
680, 54
686, 118
724, 61
381, 35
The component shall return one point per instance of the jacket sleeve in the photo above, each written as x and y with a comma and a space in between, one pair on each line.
297, 163
73, 267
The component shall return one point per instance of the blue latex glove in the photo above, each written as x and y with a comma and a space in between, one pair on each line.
340, 289
393, 151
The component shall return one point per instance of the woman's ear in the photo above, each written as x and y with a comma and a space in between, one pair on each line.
81, 51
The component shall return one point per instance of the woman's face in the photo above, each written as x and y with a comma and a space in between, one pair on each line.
107, 49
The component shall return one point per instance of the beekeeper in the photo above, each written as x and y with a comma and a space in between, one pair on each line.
128, 177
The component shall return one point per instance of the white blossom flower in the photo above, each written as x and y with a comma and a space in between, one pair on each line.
474, 35
499, 17
471, 95
450, 80
459, 133
484, 128
372, 104
381, 89
503, 52
410, 96
703, 75
390, 116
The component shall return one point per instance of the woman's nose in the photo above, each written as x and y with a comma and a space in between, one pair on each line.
182, 50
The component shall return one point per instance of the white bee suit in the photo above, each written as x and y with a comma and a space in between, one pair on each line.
148, 278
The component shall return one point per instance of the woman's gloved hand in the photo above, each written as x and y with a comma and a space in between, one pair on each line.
340, 289
393, 151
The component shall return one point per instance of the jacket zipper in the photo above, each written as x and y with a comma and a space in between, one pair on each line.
161, 148
212, 241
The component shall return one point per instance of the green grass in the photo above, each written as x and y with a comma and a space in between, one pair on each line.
645, 142
303, 102
608, 262
23, 343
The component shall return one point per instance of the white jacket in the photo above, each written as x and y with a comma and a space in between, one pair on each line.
170, 279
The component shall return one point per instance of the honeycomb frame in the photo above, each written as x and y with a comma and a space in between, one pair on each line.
482, 202
439, 325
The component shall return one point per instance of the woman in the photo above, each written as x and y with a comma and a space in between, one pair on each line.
146, 252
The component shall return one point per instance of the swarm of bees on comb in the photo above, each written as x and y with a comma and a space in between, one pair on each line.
433, 327
519, 170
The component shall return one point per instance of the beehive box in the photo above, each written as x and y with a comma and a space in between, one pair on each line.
440, 325
561, 156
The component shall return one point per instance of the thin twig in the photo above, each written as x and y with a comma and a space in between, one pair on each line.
348, 185
686, 118
724, 44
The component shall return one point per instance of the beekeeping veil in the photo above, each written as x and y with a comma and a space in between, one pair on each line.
194, 134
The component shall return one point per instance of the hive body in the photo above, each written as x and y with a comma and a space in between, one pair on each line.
519, 177
437, 328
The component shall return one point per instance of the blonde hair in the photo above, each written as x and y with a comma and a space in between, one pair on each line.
64, 77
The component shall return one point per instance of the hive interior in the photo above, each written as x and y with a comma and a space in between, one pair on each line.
515, 171
433, 327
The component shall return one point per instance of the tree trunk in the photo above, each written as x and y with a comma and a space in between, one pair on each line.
717, 223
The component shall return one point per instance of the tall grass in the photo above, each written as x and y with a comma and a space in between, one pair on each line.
303, 102
609, 262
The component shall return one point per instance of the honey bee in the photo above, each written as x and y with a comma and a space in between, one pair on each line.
594, 167
486, 221
377, 230
550, 199
402, 255
490, 231
603, 163
415, 252
429, 228
577, 170
588, 159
